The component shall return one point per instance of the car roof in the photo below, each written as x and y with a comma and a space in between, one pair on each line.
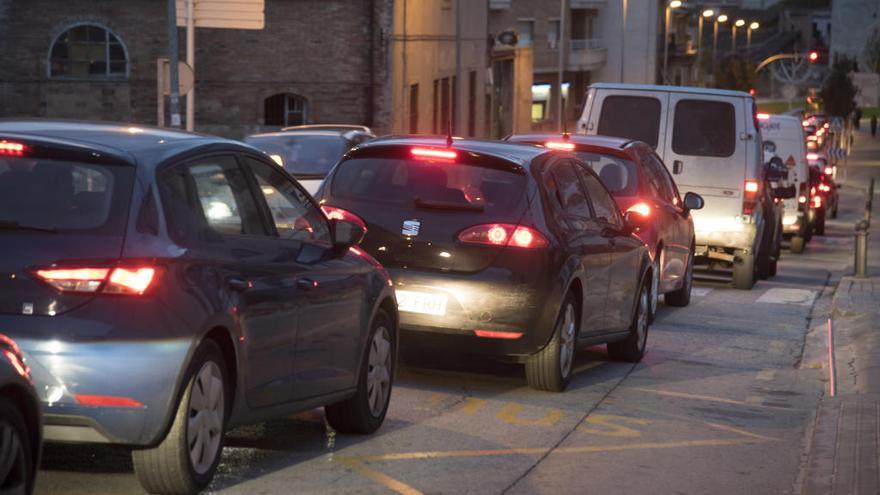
671, 89
785, 118
521, 154
330, 127
131, 143
301, 132
617, 146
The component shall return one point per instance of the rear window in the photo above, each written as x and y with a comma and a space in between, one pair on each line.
632, 117
302, 155
704, 128
618, 175
66, 196
428, 184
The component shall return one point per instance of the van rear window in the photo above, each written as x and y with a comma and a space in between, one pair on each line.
704, 128
631, 117
428, 184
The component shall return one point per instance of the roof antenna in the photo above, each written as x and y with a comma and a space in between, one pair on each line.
449, 133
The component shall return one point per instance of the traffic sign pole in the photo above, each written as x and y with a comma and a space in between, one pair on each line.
191, 61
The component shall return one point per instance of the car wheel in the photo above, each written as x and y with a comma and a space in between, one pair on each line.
365, 411
834, 210
16, 452
186, 460
632, 348
820, 221
798, 244
682, 296
550, 368
655, 288
744, 271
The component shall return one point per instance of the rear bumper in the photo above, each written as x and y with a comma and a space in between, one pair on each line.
793, 223
492, 300
726, 232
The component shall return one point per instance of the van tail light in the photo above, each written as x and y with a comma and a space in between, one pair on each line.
120, 280
641, 208
503, 234
334, 213
817, 201
750, 196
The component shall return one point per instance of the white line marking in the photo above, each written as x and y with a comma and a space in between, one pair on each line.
801, 297
700, 291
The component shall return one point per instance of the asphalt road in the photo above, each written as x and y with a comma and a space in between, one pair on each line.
722, 403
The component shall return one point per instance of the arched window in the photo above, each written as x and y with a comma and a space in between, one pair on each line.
285, 109
88, 51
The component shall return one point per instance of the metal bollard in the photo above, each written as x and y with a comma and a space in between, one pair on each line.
861, 253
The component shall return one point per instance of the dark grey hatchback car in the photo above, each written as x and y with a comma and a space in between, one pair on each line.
164, 286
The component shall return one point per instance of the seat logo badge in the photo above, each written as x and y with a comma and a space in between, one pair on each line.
27, 308
411, 227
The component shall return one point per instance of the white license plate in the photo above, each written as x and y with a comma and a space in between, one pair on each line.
421, 302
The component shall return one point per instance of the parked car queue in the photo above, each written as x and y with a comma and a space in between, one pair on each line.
215, 291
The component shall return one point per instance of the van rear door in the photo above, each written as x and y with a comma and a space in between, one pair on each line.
631, 114
706, 135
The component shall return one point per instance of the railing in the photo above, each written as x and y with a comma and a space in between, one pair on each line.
499, 4
581, 45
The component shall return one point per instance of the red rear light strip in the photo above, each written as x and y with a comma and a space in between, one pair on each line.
12, 149
492, 334
119, 280
107, 401
503, 234
429, 153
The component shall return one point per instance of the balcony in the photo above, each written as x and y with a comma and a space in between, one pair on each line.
499, 4
587, 4
585, 55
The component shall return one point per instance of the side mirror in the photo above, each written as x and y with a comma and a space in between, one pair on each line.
785, 192
677, 167
693, 201
346, 234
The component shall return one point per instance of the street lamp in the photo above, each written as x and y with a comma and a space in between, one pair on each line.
674, 4
721, 19
707, 14
738, 24
753, 26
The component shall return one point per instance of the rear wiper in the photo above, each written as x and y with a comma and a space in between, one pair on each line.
446, 205
14, 225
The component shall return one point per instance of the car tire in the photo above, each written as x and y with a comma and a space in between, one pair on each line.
16, 451
744, 271
820, 221
762, 270
550, 368
833, 213
682, 297
632, 348
655, 288
364, 412
798, 244
169, 467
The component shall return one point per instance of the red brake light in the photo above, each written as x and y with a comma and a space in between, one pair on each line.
11, 149
334, 213
824, 187
802, 199
430, 153
763, 116
751, 186
490, 334
641, 208
121, 280
750, 196
106, 401
562, 146
805, 123
829, 170
812, 156
817, 201
503, 234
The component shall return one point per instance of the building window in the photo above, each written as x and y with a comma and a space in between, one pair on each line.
88, 51
285, 109
435, 128
444, 105
526, 30
414, 109
553, 33
472, 104
582, 23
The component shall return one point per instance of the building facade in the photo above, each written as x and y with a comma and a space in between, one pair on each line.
316, 61
852, 22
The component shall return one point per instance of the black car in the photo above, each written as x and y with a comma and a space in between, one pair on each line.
498, 248
308, 152
164, 286
20, 422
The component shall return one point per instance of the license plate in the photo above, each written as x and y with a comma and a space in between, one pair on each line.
421, 302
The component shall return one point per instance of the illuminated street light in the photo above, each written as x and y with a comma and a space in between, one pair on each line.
753, 26
738, 24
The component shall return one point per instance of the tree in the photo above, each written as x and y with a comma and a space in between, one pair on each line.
872, 51
838, 92
736, 73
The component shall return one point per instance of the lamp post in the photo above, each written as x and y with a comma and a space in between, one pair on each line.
738, 24
707, 14
753, 26
721, 19
674, 4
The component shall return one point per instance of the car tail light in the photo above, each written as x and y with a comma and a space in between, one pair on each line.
824, 187
503, 234
817, 201
763, 116
491, 334
334, 213
433, 154
107, 401
641, 208
805, 123
750, 196
812, 156
557, 145
802, 199
119, 280
829, 170
9, 148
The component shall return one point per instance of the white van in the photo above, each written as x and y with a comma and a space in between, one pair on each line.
711, 141
783, 135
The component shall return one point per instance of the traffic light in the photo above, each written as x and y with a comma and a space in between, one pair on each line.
813, 56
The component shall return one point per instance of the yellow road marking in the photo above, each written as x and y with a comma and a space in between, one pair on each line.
471, 405
612, 429
511, 414
740, 431
589, 366
709, 398
765, 375
378, 476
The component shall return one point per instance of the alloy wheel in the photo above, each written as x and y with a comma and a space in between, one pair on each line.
206, 411
379, 372
13, 463
567, 333
642, 322
655, 285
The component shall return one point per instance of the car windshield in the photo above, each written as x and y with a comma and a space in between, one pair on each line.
619, 176
61, 195
304, 154
428, 184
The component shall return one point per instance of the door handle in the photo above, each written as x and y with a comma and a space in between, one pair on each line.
239, 285
307, 283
